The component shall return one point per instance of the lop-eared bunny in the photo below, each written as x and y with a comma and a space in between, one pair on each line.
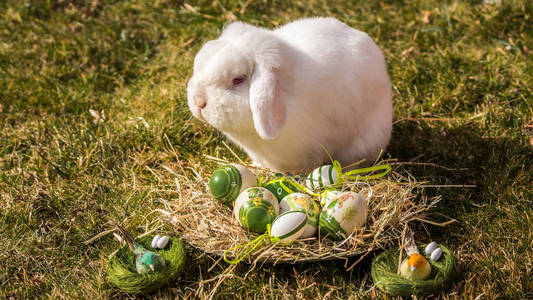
281, 94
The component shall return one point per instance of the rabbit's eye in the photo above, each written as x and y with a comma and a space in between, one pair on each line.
238, 80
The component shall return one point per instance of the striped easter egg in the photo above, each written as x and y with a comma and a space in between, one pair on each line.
228, 181
254, 193
256, 214
289, 226
321, 177
280, 188
302, 202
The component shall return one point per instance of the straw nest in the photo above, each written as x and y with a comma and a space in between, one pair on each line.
121, 267
209, 225
385, 268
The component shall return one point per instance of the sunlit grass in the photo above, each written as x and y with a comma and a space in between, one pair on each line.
463, 83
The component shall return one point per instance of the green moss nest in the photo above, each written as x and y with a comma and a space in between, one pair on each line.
385, 268
121, 267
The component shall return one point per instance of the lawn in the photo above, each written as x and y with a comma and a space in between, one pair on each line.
94, 125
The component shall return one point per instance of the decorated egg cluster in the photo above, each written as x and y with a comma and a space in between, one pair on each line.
287, 209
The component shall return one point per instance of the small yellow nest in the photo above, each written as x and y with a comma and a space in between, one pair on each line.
209, 225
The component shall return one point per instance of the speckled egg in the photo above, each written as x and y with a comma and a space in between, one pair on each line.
322, 177
302, 202
342, 215
289, 226
228, 181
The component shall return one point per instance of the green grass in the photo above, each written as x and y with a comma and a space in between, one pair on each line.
463, 83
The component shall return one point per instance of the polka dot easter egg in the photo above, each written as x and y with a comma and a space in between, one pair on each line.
322, 177
255, 208
343, 214
229, 180
280, 188
302, 202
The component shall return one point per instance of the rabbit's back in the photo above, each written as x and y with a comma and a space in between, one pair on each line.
340, 90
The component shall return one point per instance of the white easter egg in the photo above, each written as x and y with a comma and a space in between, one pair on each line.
255, 193
302, 202
435, 255
342, 215
430, 248
154, 240
289, 226
322, 177
162, 243
326, 197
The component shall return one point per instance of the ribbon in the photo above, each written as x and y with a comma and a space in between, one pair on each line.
354, 174
249, 247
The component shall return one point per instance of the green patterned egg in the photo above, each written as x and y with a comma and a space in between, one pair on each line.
322, 177
254, 193
302, 202
280, 188
289, 226
342, 215
228, 181
256, 214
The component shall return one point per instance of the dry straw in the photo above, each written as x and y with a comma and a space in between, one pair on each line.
121, 267
209, 225
384, 274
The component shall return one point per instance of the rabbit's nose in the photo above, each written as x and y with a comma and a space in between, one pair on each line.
200, 102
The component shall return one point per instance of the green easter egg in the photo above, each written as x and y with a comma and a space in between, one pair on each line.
229, 180
322, 177
329, 226
302, 202
256, 214
280, 188
225, 183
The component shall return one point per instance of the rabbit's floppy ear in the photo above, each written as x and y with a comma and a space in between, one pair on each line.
268, 109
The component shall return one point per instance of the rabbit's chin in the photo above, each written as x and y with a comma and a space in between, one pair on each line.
229, 121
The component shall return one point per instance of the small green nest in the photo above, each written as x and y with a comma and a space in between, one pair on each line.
121, 267
385, 269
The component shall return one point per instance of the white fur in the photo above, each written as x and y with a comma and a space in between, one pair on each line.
309, 83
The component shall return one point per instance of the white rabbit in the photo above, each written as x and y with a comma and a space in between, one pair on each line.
281, 94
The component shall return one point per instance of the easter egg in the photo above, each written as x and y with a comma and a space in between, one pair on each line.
256, 214
162, 242
229, 180
322, 177
154, 241
289, 226
343, 214
326, 197
436, 254
302, 202
430, 248
245, 208
280, 188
